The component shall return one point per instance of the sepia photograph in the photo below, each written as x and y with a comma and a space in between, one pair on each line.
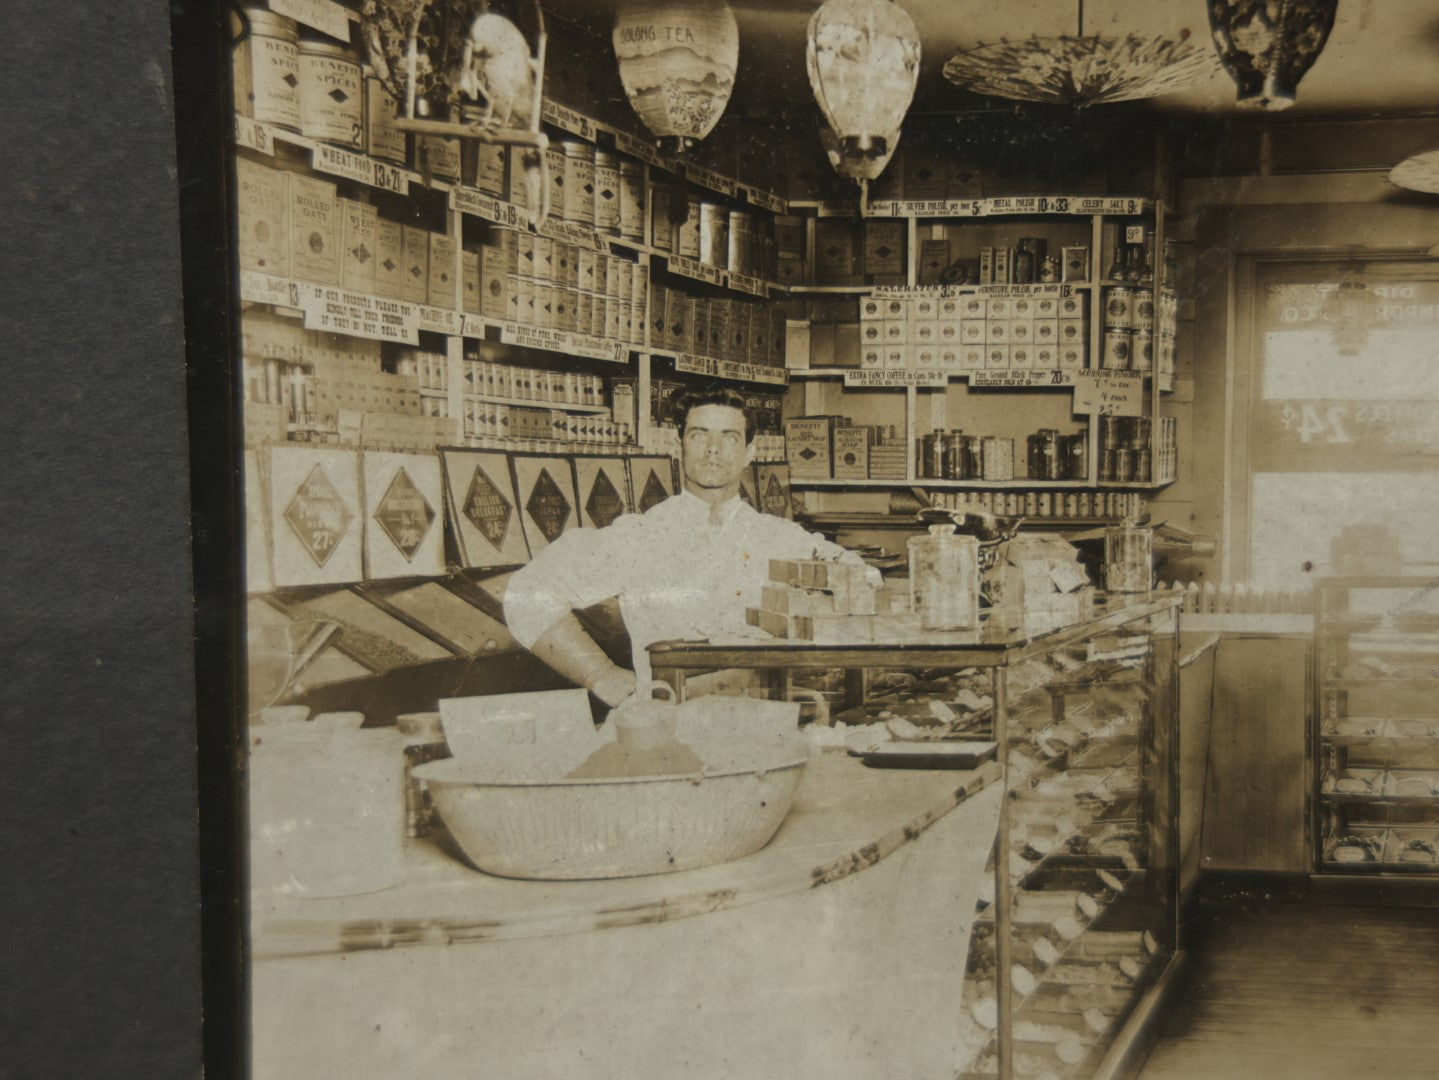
819, 538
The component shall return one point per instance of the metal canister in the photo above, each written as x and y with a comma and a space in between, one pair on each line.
1119, 308
1109, 432
332, 94
579, 194
1107, 464
1142, 350
555, 165
267, 69
1141, 430
1143, 467
607, 193
1118, 350
1143, 309
954, 454
1124, 466
440, 155
687, 232
382, 138
740, 257
931, 455
1037, 466
714, 234
1044, 458
662, 229
971, 466
632, 201
997, 455
1076, 456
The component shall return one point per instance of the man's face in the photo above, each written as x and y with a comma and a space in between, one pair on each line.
715, 451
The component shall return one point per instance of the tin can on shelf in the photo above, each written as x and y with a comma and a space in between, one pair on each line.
331, 94
1124, 466
1107, 464
1143, 467
714, 234
607, 193
1142, 350
739, 257
382, 138
1076, 456
1143, 309
1118, 308
687, 231
632, 201
931, 456
579, 187
267, 69
1117, 354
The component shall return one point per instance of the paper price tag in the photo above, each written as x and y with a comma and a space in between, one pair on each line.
1099, 393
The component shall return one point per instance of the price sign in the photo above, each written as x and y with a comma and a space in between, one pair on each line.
1020, 378
389, 178
567, 119
877, 378
342, 163
324, 15
692, 268
254, 135
1317, 427
1101, 393
473, 202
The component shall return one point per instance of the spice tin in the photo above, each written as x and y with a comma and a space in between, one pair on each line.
607, 193
1142, 350
490, 162
382, 138
740, 256
267, 70
331, 94
1143, 309
713, 234
632, 200
662, 228
687, 232
579, 188
1118, 308
1117, 354
555, 166
442, 156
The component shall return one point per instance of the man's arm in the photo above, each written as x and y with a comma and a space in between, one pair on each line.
581, 568
573, 653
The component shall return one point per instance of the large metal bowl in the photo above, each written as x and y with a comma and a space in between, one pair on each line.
611, 828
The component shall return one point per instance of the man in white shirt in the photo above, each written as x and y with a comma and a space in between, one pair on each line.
685, 570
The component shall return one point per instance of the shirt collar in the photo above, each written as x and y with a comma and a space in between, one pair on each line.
725, 511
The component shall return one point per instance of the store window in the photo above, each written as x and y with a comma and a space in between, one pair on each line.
1343, 412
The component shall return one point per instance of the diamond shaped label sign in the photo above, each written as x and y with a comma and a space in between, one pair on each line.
319, 516
405, 515
774, 497
487, 509
654, 492
604, 503
548, 506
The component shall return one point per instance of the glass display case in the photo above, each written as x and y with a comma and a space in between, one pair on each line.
1077, 928
1376, 732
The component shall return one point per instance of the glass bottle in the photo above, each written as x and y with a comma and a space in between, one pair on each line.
944, 579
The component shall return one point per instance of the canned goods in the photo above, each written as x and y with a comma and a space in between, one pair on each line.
1109, 432
555, 165
1107, 460
632, 201
997, 457
382, 138
662, 229
740, 257
1119, 308
1117, 354
579, 189
1031, 503
931, 456
267, 69
1141, 428
1124, 466
1076, 456
607, 193
1143, 467
1143, 309
713, 235
1142, 350
687, 232
331, 94
440, 155
1046, 504
949, 455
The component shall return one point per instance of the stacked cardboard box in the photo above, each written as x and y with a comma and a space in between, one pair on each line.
818, 599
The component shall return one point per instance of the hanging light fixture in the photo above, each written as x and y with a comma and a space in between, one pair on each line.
1083, 69
1418, 173
1268, 45
677, 62
1351, 309
863, 60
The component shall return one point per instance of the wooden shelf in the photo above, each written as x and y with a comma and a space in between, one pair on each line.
970, 485
531, 403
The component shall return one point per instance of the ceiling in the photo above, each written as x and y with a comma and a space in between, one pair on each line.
1382, 56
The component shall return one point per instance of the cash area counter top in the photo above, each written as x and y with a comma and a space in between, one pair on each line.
837, 948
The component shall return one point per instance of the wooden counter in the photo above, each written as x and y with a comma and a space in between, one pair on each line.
838, 950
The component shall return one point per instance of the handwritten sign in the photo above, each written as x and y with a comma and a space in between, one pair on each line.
1102, 393
873, 378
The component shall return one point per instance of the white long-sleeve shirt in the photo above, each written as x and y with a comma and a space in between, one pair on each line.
677, 573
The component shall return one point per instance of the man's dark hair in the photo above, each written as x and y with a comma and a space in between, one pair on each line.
685, 400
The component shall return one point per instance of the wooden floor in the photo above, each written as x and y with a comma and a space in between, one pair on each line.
1309, 990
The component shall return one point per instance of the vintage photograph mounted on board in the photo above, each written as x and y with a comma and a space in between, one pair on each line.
838, 539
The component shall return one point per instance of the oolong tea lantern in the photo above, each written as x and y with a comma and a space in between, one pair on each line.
677, 63
863, 60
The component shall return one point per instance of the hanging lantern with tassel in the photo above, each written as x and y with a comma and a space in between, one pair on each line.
863, 60
1268, 45
677, 62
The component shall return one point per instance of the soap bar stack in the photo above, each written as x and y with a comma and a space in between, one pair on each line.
817, 599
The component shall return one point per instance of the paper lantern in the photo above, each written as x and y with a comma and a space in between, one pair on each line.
1268, 45
677, 63
863, 60
853, 164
